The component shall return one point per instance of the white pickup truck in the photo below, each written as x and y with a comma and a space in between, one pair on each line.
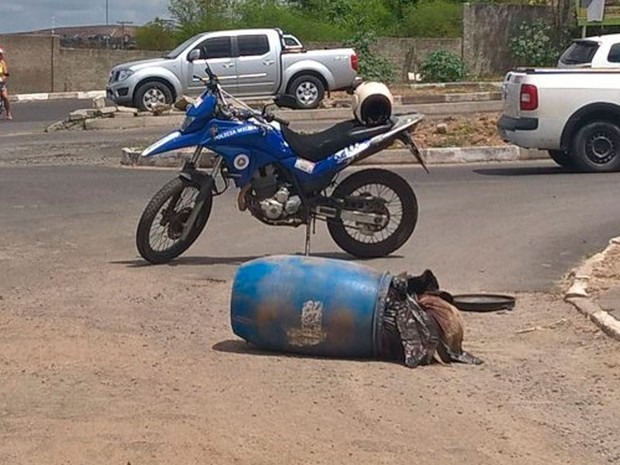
573, 114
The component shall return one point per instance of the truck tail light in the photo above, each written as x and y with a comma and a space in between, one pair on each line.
529, 97
354, 62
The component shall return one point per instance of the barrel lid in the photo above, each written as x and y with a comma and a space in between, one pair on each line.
484, 302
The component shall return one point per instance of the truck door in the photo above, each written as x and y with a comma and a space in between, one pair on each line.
218, 51
257, 65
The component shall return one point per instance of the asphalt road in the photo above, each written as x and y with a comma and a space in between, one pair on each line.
37, 115
508, 227
493, 227
24, 137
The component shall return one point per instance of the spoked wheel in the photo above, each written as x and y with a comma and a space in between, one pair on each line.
160, 230
383, 193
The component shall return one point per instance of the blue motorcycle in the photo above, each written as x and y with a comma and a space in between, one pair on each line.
285, 178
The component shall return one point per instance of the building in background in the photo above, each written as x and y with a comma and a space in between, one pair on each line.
114, 36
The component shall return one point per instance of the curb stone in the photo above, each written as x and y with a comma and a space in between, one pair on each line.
81, 95
435, 156
577, 294
430, 111
473, 96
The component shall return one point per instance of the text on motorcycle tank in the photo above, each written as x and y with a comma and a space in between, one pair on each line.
305, 165
160, 142
241, 162
237, 132
350, 152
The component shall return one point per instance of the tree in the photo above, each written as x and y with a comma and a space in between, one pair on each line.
156, 35
348, 15
195, 16
273, 13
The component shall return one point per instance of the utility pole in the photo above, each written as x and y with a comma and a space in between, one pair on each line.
107, 12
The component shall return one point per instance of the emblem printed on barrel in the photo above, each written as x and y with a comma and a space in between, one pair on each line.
311, 332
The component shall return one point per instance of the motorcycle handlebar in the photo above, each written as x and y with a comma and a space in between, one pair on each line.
282, 121
247, 114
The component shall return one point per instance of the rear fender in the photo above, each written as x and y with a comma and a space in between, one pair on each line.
596, 111
173, 141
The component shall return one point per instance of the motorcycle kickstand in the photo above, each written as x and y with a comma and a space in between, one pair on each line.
310, 224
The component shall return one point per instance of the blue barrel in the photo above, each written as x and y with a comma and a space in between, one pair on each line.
309, 305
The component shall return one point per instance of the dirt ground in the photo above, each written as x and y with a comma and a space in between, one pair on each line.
433, 89
437, 89
459, 131
470, 130
109, 362
606, 274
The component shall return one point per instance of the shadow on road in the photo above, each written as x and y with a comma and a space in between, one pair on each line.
238, 346
190, 261
524, 171
193, 261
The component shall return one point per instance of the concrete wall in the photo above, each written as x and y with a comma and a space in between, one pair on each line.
39, 64
30, 61
405, 53
88, 69
487, 30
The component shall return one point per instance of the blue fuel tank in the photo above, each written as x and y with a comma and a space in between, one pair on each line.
309, 305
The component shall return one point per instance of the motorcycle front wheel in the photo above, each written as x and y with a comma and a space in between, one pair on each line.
160, 230
384, 193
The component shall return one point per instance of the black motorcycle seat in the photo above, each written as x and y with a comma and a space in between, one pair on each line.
320, 145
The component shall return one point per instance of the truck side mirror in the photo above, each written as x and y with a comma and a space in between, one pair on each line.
193, 55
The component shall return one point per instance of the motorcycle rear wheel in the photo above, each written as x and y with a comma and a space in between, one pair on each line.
398, 202
161, 225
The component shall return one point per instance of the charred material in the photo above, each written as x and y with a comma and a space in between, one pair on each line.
420, 324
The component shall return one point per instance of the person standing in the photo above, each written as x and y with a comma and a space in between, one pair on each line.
4, 93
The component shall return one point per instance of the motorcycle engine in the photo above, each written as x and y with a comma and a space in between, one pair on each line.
271, 198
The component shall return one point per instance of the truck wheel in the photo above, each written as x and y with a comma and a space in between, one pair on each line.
150, 94
596, 148
562, 158
308, 91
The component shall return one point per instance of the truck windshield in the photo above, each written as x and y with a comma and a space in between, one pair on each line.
177, 51
579, 53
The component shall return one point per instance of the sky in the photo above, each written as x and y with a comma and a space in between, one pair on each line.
30, 15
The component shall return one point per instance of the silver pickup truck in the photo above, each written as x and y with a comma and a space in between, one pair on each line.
250, 63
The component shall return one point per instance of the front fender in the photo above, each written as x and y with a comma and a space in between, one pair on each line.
158, 73
173, 141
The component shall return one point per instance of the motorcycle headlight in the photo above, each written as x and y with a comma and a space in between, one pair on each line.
123, 74
187, 122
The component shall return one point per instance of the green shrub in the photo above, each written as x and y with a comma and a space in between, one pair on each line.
371, 66
433, 18
533, 45
357, 15
443, 66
